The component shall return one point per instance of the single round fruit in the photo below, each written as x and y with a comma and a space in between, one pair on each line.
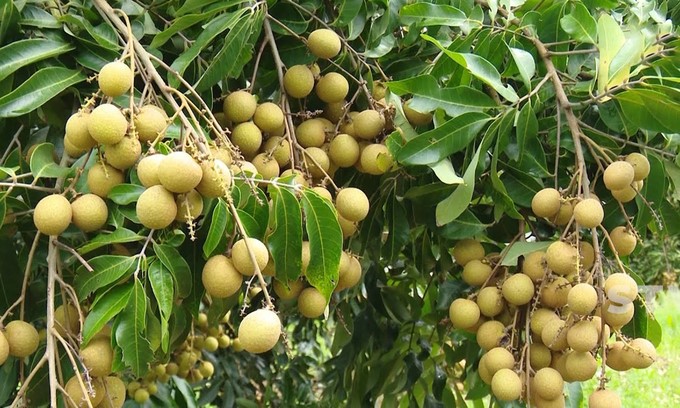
490, 301
463, 313
623, 240
628, 193
156, 208
604, 399
4, 348
348, 227
588, 213
564, 214
334, 111
298, 81
147, 170
178, 172
540, 356
259, 331
466, 250
150, 123
640, 166
416, 118
97, 357
311, 303
311, 133
548, 383
323, 193
617, 316
77, 133
77, 396
220, 277
344, 150
114, 393
639, 353
546, 203
582, 299
266, 166
618, 175
476, 272
587, 253
141, 396
240, 255
101, 178
324, 43
539, 319
247, 137
582, 336
518, 289
123, 154
620, 288
189, 206
106, 124
561, 258
66, 320
506, 385
554, 334
22, 338
497, 359
581, 366
115, 78
332, 87
210, 344
352, 204
534, 266
279, 148
268, 117
89, 212
207, 369
375, 159
555, 293
490, 334
368, 124
351, 277
216, 179
317, 161
70, 149
52, 214
239, 106
615, 356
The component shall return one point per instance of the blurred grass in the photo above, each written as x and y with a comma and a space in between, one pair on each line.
658, 385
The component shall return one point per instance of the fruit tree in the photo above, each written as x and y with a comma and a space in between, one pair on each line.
328, 203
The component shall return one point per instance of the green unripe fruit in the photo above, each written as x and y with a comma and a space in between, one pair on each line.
240, 255
106, 124
546, 203
352, 204
332, 87
298, 81
518, 289
324, 43
147, 170
466, 250
640, 166
178, 172
220, 277
623, 240
141, 396
52, 214
77, 133
268, 117
279, 148
490, 301
344, 150
207, 369
368, 124
101, 178
317, 161
247, 137
589, 213
618, 175
211, 344
22, 338
89, 212
115, 78
266, 166
156, 208
123, 154
375, 159
150, 123
311, 303
463, 313
239, 106
311, 133
258, 332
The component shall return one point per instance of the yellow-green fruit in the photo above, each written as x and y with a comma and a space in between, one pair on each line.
298, 81
554, 334
352, 204
115, 78
581, 365
4, 348
640, 166
352, 275
332, 87
247, 137
150, 123
618, 175
211, 344
639, 353
518, 289
221, 153
298, 179
539, 318
220, 277
141, 396
490, 301
77, 133
489, 334
334, 111
347, 125
52, 214
216, 179
240, 255
497, 359
620, 288
559, 361
587, 255
101, 178
147, 170
290, 292
561, 258
106, 124
463, 313
582, 299
66, 320
89, 212
178, 172
506, 385
375, 159
548, 383
266, 166
589, 213
368, 124
207, 369
564, 214
97, 357
546, 203
156, 208
268, 117
79, 398
306, 256
617, 316
311, 303
483, 371
279, 148
259, 331
239, 106
324, 43
22, 338
555, 293
311, 133
466, 250
114, 393
317, 161
534, 265
123, 154
628, 193
344, 150
476, 272
324, 193
379, 90
624, 241
416, 118
540, 356
189, 206
582, 336
70, 149
604, 399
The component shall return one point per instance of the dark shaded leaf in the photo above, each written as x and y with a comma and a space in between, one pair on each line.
285, 242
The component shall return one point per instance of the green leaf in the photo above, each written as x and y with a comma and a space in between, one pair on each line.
179, 268
107, 306
452, 136
480, 68
527, 128
37, 90
10, 273
253, 228
610, 41
325, 242
580, 24
428, 95
218, 226
445, 172
163, 290
124, 194
522, 248
43, 165
650, 109
525, 65
179, 25
194, 5
130, 329
107, 269
432, 14
26, 52
285, 241
465, 226
397, 227
119, 236
9, 15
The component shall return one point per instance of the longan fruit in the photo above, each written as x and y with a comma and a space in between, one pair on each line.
463, 313
241, 256
101, 178
324, 43
639, 353
317, 161
618, 175
156, 208
106, 124
247, 137
518, 289
620, 288
332, 87
617, 316
589, 213
506, 385
540, 356
123, 154
546, 203
497, 359
489, 334
77, 133
604, 399
298, 81
52, 215
582, 336
115, 78
548, 383
268, 117
147, 170
555, 293
150, 123
581, 365
416, 118
344, 150
540, 318
352, 204
534, 265
623, 240
311, 303
375, 159
554, 334
239, 106
89, 212
490, 301
258, 332
189, 206
640, 166
476, 272
311, 133
466, 250
178, 172
368, 124
561, 258
582, 299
